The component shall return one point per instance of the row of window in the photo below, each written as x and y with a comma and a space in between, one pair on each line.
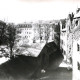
25, 29
63, 33
78, 47
27, 36
28, 32
24, 36
26, 25
24, 32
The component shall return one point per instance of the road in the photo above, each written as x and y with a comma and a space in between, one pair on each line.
26, 68
58, 74
23, 68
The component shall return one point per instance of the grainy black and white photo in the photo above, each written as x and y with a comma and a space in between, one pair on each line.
39, 40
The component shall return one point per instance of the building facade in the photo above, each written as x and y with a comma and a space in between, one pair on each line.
43, 32
63, 38
70, 43
25, 33
76, 47
66, 41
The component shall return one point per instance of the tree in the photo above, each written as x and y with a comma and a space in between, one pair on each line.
47, 32
11, 37
39, 29
2, 32
36, 32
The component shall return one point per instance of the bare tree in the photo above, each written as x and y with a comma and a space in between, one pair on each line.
39, 29
11, 37
36, 32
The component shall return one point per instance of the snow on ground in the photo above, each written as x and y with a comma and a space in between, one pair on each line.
3, 59
33, 52
68, 66
63, 65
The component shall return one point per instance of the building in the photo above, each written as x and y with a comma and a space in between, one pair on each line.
63, 38
70, 43
35, 32
25, 33
66, 40
43, 31
76, 46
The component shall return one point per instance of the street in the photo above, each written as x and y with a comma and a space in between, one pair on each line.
24, 67
58, 74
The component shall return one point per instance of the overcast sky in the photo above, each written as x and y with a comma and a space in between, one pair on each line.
19, 11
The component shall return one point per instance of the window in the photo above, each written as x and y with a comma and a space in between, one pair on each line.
62, 41
29, 32
69, 29
76, 22
78, 64
63, 26
78, 47
64, 52
69, 48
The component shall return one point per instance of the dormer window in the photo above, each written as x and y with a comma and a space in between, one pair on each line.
63, 26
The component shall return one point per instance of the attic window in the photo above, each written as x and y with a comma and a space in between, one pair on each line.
76, 22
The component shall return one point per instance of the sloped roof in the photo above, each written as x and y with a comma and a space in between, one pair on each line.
63, 21
77, 15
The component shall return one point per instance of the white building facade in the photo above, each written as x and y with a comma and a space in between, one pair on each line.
63, 38
66, 41
26, 33
76, 47
70, 43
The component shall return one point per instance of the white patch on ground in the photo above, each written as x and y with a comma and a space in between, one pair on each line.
3, 59
44, 77
34, 52
63, 65
68, 66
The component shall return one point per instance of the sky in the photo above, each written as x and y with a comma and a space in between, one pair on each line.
19, 11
